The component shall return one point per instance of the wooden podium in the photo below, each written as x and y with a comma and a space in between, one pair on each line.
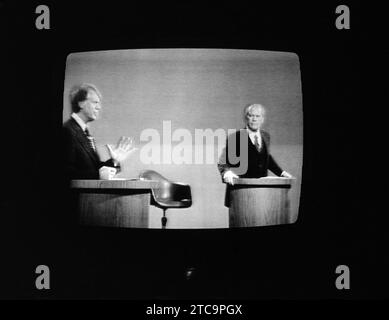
114, 203
259, 202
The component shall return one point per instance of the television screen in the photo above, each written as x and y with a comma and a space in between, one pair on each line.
182, 108
241, 174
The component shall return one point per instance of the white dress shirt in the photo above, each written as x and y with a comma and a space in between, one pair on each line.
253, 135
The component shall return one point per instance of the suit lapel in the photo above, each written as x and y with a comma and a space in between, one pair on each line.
265, 138
83, 140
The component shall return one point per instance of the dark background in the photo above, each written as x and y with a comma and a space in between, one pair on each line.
338, 224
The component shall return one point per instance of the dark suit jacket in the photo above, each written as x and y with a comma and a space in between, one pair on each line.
258, 162
80, 160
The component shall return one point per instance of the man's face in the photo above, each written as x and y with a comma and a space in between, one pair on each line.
90, 107
255, 118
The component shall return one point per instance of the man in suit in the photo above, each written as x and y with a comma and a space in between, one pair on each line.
247, 153
81, 160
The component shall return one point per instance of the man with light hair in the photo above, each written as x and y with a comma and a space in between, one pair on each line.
252, 144
81, 160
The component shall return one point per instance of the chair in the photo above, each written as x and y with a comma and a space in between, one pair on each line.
169, 194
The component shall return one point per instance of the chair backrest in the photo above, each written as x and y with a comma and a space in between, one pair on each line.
169, 194
163, 192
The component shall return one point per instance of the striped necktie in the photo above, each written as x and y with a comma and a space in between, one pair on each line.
91, 140
258, 144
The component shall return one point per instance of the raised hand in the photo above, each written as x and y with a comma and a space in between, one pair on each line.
122, 150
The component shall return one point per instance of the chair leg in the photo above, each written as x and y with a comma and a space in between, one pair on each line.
164, 219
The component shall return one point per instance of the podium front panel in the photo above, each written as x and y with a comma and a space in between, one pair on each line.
114, 203
259, 202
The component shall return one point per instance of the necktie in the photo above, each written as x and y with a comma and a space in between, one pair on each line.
91, 140
257, 143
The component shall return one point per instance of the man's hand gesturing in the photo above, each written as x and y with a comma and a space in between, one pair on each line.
122, 150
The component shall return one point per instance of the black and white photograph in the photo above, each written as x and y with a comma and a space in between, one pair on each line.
179, 106
193, 161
